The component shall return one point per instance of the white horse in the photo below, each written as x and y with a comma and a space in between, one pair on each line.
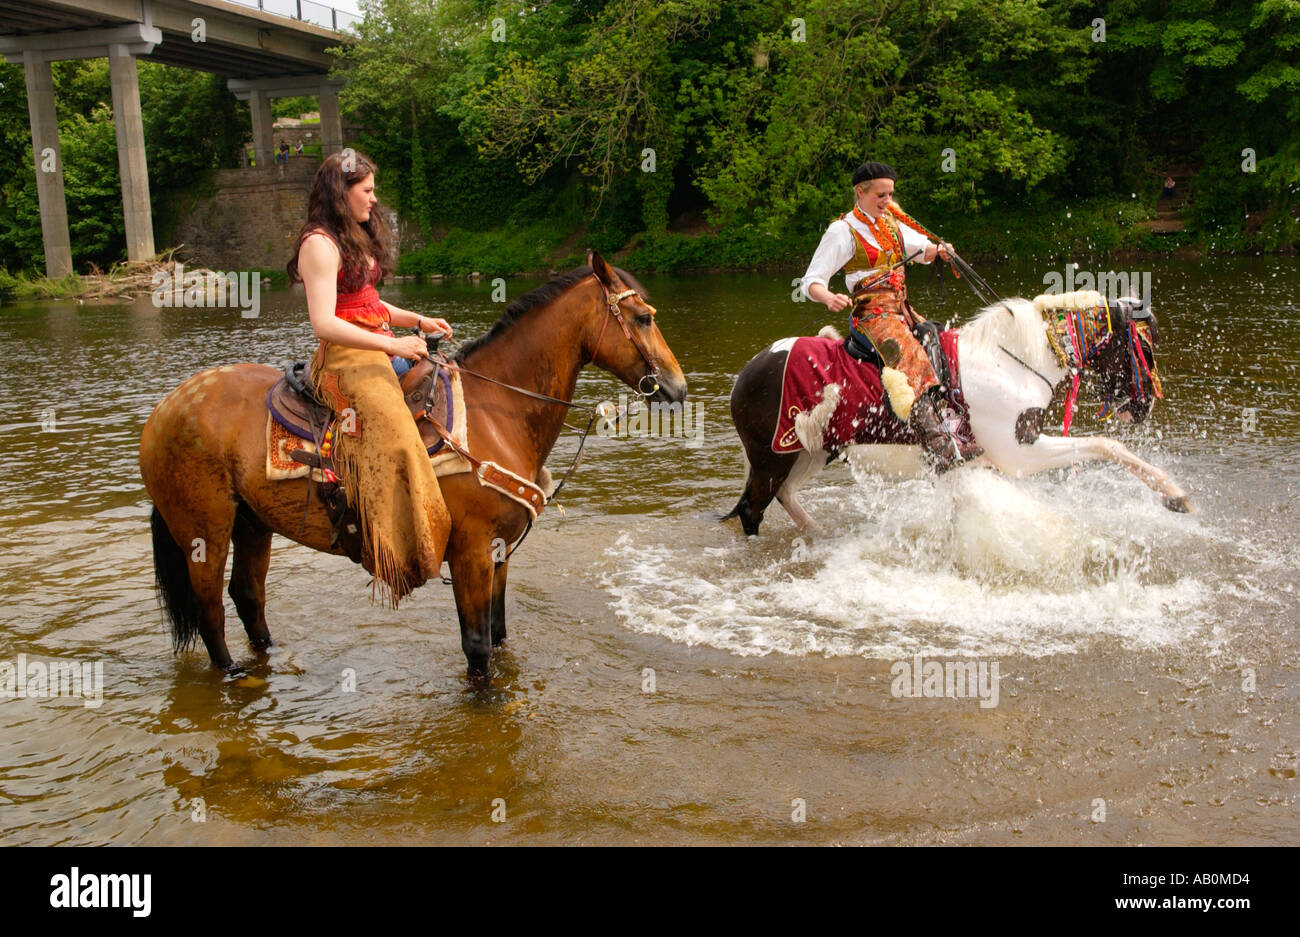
1011, 357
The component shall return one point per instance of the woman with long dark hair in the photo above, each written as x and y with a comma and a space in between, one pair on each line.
343, 250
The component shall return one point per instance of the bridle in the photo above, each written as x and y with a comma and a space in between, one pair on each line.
613, 309
1085, 340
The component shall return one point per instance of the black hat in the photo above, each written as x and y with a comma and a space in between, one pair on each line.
868, 171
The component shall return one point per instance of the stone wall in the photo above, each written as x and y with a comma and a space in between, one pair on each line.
251, 220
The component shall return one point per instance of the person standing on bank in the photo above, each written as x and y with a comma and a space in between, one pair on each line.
343, 250
866, 243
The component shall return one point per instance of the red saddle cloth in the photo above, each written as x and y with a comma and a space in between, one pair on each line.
863, 415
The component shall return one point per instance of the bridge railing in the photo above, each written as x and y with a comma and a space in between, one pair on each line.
308, 11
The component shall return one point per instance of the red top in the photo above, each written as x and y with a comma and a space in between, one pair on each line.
363, 307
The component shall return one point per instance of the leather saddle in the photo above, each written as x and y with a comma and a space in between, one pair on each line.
295, 406
293, 403
927, 333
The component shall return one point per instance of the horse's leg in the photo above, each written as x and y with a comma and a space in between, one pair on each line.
499, 603
202, 530
755, 403
471, 564
250, 561
1049, 452
806, 465
761, 486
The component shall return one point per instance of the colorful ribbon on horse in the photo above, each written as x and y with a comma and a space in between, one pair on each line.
1135, 346
1082, 329
1075, 368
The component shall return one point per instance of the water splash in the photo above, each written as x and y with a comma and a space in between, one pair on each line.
973, 564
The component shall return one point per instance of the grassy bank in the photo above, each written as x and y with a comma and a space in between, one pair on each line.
1093, 230
20, 286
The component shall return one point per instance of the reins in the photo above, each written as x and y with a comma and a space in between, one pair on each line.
962, 270
613, 309
1028, 367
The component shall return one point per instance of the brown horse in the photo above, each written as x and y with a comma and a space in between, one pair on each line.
203, 460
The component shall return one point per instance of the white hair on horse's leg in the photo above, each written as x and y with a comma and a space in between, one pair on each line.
899, 391
810, 429
806, 465
545, 482
810, 426
829, 331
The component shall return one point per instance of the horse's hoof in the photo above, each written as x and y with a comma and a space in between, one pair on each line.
478, 680
232, 670
1179, 504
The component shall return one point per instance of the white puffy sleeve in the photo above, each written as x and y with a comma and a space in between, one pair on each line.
834, 251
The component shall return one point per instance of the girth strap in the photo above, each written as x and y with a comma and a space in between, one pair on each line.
491, 475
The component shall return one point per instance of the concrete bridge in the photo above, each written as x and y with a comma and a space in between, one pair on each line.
264, 48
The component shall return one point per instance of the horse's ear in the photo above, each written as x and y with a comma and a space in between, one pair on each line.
599, 267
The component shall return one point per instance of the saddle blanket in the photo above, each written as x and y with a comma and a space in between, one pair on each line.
281, 441
861, 411
859, 408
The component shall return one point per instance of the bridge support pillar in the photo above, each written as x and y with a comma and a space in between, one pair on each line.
258, 92
121, 44
129, 125
331, 125
49, 166
259, 109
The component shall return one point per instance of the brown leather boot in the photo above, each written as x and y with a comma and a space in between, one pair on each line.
969, 451
939, 448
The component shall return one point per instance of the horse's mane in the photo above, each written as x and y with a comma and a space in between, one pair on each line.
546, 293
1014, 324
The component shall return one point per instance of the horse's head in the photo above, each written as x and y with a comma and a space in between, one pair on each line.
1125, 372
628, 342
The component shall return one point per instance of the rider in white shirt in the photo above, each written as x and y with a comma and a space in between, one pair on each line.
871, 246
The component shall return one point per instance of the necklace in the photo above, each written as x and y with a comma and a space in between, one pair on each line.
884, 236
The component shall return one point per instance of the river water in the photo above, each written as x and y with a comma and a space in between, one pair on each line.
667, 680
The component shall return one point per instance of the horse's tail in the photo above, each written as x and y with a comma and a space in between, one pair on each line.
176, 595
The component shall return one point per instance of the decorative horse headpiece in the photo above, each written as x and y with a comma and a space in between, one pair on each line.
1081, 327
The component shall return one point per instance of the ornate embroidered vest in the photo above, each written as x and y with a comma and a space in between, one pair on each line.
868, 259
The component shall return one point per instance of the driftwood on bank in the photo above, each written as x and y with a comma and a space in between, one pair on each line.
137, 277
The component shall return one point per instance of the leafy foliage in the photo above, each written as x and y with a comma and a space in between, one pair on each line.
757, 112
507, 131
192, 125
